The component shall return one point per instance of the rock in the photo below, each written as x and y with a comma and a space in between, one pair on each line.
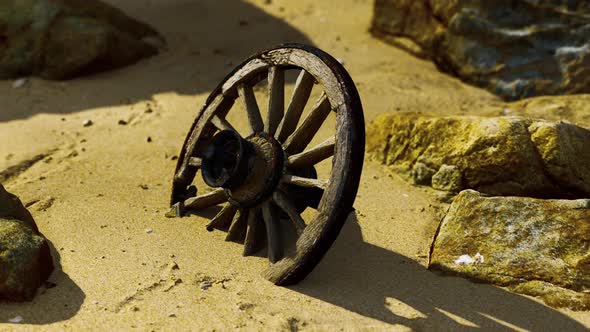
12, 207
515, 49
448, 178
25, 258
495, 155
59, 39
538, 247
422, 174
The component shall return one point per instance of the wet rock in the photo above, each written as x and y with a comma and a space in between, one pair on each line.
538, 247
25, 258
494, 155
59, 39
515, 49
448, 178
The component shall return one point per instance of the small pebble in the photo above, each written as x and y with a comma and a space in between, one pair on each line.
122, 122
149, 230
19, 83
88, 123
172, 315
17, 319
149, 139
95, 302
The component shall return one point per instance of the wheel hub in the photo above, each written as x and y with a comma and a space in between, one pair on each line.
248, 169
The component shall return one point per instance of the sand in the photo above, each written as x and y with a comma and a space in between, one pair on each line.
99, 193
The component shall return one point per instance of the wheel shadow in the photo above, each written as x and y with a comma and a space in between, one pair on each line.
205, 41
50, 305
365, 279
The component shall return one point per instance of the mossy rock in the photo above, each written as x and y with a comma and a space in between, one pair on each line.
495, 155
520, 240
59, 39
25, 258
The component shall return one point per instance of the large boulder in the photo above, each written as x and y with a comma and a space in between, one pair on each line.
495, 155
25, 258
534, 246
59, 39
515, 49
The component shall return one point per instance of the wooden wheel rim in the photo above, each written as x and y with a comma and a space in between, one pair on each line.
339, 195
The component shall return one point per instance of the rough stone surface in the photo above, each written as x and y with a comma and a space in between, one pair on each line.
12, 207
422, 174
59, 39
537, 247
494, 155
25, 258
515, 49
448, 178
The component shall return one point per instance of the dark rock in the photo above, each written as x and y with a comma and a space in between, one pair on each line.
59, 39
25, 258
422, 174
515, 49
534, 246
12, 207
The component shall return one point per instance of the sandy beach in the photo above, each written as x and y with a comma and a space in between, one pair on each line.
99, 193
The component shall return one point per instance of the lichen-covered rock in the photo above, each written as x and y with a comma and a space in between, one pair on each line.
515, 49
25, 258
494, 155
448, 178
58, 39
422, 174
520, 240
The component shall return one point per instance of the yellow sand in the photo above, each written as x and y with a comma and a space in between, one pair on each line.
118, 254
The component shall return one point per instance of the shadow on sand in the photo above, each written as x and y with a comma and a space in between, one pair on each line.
51, 305
205, 41
361, 277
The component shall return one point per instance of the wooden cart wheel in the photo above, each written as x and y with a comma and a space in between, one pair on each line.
265, 179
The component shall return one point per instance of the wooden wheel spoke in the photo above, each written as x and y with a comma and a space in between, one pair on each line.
276, 100
223, 219
289, 207
272, 220
195, 162
207, 200
313, 156
249, 100
237, 230
301, 94
255, 234
299, 140
221, 123
305, 182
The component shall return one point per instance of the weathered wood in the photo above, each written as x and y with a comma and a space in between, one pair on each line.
289, 207
299, 140
313, 156
237, 230
255, 234
304, 182
215, 197
223, 219
221, 123
246, 94
251, 67
272, 221
276, 99
195, 162
299, 99
336, 201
